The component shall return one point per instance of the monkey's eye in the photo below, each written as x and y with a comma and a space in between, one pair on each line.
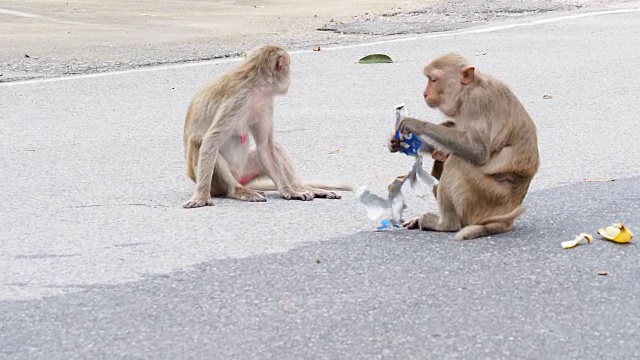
432, 79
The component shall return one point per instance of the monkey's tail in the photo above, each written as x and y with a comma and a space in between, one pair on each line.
489, 226
265, 184
493, 225
508, 217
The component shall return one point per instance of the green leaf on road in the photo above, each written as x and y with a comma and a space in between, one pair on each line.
375, 59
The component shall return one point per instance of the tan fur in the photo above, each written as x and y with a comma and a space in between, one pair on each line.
493, 150
193, 147
237, 105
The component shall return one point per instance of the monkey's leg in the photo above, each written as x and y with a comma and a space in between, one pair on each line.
430, 222
279, 167
321, 193
214, 178
297, 184
448, 219
476, 231
254, 170
207, 159
224, 184
415, 223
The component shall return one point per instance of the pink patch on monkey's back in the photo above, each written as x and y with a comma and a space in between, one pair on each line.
243, 138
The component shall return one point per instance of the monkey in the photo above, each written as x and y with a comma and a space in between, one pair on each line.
219, 157
490, 153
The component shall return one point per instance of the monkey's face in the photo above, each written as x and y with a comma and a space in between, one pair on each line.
431, 92
435, 92
442, 91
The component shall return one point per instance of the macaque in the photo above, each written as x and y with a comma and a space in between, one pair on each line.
219, 157
489, 150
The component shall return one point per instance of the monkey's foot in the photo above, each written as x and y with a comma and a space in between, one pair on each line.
195, 203
298, 195
427, 221
411, 224
245, 194
320, 193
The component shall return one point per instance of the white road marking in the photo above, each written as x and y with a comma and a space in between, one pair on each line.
413, 38
19, 13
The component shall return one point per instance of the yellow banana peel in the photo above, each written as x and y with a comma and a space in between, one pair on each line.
573, 243
616, 232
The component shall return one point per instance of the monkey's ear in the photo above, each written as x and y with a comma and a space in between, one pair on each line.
467, 74
279, 63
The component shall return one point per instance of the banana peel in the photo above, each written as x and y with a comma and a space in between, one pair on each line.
616, 232
573, 243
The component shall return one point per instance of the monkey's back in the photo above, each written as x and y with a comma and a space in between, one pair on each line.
499, 186
199, 118
510, 125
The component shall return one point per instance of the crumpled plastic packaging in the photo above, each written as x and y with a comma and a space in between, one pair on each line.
388, 212
411, 143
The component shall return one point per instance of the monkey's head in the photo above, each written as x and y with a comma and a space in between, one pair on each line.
447, 79
272, 67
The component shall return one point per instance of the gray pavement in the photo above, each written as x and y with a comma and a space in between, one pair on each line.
406, 294
97, 257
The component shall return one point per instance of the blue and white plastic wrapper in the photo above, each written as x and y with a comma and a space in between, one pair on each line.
388, 212
418, 173
410, 143
387, 224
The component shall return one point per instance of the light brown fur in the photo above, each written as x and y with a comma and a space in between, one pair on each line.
222, 119
491, 153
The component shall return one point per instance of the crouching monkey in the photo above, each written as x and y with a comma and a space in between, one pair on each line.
219, 157
489, 148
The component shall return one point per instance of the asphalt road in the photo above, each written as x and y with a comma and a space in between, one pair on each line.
401, 295
98, 259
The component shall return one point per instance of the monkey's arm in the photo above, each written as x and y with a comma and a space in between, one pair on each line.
450, 139
217, 134
394, 144
274, 159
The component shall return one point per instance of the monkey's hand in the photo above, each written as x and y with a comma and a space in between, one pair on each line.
439, 155
394, 144
197, 202
411, 126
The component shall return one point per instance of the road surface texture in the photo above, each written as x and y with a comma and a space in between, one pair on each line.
99, 259
45, 38
367, 296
